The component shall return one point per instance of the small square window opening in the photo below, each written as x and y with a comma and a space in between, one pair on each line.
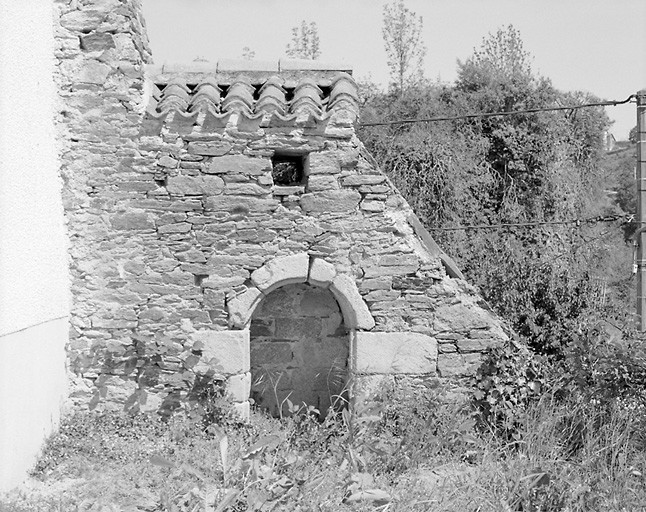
288, 169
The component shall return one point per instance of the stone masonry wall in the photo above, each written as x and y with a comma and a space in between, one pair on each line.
166, 231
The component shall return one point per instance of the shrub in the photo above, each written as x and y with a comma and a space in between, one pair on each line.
510, 378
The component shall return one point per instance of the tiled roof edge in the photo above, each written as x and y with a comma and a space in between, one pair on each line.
255, 71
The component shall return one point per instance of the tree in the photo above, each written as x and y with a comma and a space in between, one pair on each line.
501, 59
248, 53
517, 169
402, 32
305, 42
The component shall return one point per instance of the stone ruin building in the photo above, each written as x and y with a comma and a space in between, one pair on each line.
225, 220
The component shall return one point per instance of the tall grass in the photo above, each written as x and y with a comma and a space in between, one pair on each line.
415, 450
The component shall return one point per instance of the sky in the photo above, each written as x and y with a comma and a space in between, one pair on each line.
581, 45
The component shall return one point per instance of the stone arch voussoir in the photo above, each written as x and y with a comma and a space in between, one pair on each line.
300, 268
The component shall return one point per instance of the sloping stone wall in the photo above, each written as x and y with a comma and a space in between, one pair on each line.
170, 233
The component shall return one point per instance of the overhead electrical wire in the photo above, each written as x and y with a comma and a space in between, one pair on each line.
627, 219
610, 103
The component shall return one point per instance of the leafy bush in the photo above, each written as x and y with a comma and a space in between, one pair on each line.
605, 372
510, 379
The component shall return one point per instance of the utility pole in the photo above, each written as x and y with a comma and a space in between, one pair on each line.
640, 235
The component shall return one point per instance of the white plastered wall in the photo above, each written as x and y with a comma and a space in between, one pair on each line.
34, 282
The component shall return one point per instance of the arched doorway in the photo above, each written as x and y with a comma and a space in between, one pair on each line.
299, 349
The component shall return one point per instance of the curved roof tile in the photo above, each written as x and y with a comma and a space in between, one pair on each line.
239, 97
207, 97
281, 98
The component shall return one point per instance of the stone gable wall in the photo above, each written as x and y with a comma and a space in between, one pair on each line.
169, 235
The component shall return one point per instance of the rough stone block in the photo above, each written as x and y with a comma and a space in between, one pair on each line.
320, 183
94, 72
331, 201
394, 270
238, 164
135, 186
382, 295
399, 259
297, 329
119, 390
238, 387
246, 189
324, 162
356, 314
321, 273
363, 179
195, 185
279, 190
461, 317
395, 353
272, 353
132, 221
466, 345
242, 205
97, 42
213, 299
209, 148
82, 21
372, 206
222, 283
320, 303
229, 350
262, 328
377, 283
242, 307
282, 271
167, 161
180, 227
241, 409
152, 402
374, 189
